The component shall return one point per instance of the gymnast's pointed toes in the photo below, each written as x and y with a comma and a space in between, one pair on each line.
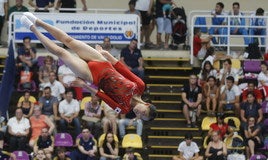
30, 16
26, 22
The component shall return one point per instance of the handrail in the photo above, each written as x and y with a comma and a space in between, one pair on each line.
228, 26
89, 10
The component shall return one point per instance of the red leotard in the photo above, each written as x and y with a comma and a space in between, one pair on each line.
117, 82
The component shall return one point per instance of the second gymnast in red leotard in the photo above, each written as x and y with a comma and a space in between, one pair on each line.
118, 86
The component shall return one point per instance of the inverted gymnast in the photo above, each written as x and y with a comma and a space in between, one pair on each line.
118, 86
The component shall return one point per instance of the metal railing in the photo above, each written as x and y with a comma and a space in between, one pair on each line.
207, 15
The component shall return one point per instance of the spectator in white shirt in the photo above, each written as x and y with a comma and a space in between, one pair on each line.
227, 70
69, 110
57, 89
18, 128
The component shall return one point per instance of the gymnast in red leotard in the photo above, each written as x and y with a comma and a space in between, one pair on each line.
118, 86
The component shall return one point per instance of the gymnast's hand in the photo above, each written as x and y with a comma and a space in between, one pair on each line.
106, 54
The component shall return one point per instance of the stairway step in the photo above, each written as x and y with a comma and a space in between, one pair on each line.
166, 102
164, 94
169, 110
165, 59
174, 129
170, 119
163, 85
167, 68
166, 147
169, 77
173, 137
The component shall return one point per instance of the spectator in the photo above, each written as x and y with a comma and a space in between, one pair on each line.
41, 5
109, 121
38, 122
163, 24
239, 22
61, 154
145, 9
44, 142
216, 149
18, 7
49, 105
109, 148
207, 70
212, 57
40, 155
222, 128
57, 89
127, 120
3, 16
26, 105
131, 56
217, 21
251, 108
44, 71
259, 22
211, 95
227, 70
253, 135
69, 110
188, 149
191, 101
93, 115
252, 88
131, 154
19, 129
110, 48
167, 9
86, 147
263, 75
66, 76
132, 10
71, 4
27, 56
200, 44
230, 96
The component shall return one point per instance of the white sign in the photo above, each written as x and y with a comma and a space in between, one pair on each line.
90, 28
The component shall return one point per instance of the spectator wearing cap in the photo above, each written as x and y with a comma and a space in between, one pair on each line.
188, 149
223, 128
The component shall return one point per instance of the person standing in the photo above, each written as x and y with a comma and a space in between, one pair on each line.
44, 4
69, 4
3, 16
18, 7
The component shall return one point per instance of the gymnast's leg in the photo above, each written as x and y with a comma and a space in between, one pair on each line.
83, 50
77, 65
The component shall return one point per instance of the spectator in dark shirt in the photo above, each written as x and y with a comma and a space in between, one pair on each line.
44, 4
69, 4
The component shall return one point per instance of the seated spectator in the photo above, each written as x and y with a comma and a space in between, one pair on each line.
57, 89
27, 56
200, 44
229, 96
211, 95
49, 105
212, 57
239, 22
26, 105
217, 21
222, 128
109, 121
259, 22
131, 56
191, 101
131, 154
106, 45
61, 154
227, 71
207, 71
66, 76
109, 148
69, 110
40, 155
253, 135
38, 122
93, 115
216, 149
87, 147
188, 149
251, 108
127, 120
44, 142
44, 70
252, 88
19, 129
263, 75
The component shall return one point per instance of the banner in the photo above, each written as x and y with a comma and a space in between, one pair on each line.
90, 28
